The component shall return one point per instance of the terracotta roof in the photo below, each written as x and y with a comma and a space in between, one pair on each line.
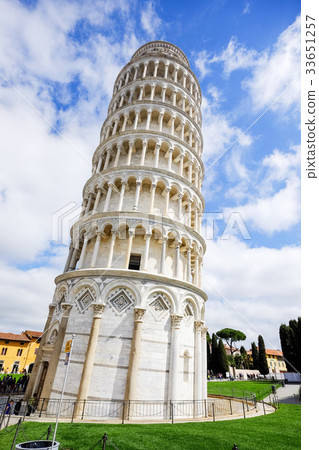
36, 334
269, 352
14, 337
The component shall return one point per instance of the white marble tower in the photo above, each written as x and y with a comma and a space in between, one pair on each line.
131, 289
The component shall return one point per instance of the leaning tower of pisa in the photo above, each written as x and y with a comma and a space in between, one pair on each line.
131, 288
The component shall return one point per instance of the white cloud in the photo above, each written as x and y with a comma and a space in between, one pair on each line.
150, 21
235, 56
251, 289
277, 74
274, 205
202, 62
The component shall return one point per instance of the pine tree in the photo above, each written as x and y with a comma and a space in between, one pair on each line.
255, 356
209, 350
263, 366
244, 357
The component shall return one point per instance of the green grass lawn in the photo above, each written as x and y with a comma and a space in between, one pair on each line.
241, 388
277, 431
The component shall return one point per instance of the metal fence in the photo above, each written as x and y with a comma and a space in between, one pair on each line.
131, 410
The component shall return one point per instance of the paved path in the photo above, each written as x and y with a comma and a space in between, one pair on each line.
288, 394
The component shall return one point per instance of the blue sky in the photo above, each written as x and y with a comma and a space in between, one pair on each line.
58, 63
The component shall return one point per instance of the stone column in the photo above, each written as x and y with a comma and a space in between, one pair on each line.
99, 164
145, 70
155, 68
83, 251
174, 357
98, 309
107, 159
157, 149
117, 157
67, 264
130, 151
122, 195
160, 118
153, 92
148, 120
166, 70
55, 356
137, 114
129, 248
88, 205
177, 259
74, 258
108, 197
164, 93
111, 251
169, 162
96, 203
189, 266
143, 152
140, 98
124, 122
163, 255
96, 249
132, 372
137, 195
204, 362
153, 189
198, 361
32, 384
146, 251
166, 206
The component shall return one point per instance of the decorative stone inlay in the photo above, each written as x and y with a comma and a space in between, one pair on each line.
84, 299
120, 300
159, 306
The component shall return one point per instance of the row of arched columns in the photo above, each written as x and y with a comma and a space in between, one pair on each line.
111, 247
159, 68
156, 91
129, 192
160, 120
150, 152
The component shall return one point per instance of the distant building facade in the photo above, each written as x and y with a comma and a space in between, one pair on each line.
18, 351
275, 360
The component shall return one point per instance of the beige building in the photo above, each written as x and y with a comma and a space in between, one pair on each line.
131, 288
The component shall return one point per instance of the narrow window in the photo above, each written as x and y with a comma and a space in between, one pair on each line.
135, 262
4, 351
19, 352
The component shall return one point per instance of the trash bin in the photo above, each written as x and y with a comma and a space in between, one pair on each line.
40, 445
273, 389
283, 383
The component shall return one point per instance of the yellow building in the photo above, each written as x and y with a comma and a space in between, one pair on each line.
275, 360
18, 351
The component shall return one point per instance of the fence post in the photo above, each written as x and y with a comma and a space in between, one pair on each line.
73, 411
230, 407
247, 404
83, 409
243, 403
172, 411
123, 412
16, 434
213, 405
263, 406
41, 409
205, 405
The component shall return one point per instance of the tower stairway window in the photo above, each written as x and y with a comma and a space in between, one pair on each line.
135, 262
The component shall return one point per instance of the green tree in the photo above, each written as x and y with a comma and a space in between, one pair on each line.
214, 353
255, 356
290, 338
244, 357
209, 349
231, 336
263, 366
238, 361
222, 363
